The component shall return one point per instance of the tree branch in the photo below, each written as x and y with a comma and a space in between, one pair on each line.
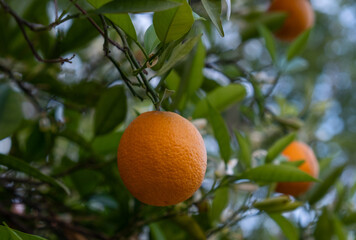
20, 22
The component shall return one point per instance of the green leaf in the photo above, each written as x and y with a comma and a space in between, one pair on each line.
298, 45
339, 228
349, 218
151, 40
244, 149
269, 41
178, 54
190, 225
192, 78
86, 180
220, 202
173, 80
289, 230
195, 78
107, 144
291, 206
279, 146
123, 21
319, 191
277, 173
277, 204
156, 232
213, 8
174, 23
10, 111
221, 133
22, 166
137, 6
270, 20
74, 40
7, 233
110, 110
220, 98
324, 228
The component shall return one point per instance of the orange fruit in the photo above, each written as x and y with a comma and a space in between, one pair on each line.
161, 158
297, 151
300, 17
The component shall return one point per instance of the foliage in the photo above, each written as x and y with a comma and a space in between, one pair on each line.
74, 74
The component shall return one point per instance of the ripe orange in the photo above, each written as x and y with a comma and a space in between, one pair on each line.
161, 158
300, 17
297, 151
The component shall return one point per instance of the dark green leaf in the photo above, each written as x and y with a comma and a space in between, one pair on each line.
22, 166
279, 146
220, 202
7, 233
191, 226
298, 45
220, 98
172, 24
270, 20
110, 110
244, 149
178, 54
195, 78
221, 132
277, 173
151, 40
289, 230
349, 218
107, 144
86, 180
213, 8
319, 191
124, 6
10, 111
339, 228
269, 41
324, 228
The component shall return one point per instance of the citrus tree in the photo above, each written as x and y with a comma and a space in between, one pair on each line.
175, 119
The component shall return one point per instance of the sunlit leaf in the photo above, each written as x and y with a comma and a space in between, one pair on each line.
178, 54
277, 173
172, 24
220, 98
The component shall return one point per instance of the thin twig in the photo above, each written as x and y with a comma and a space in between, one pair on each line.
56, 10
151, 93
34, 52
96, 26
